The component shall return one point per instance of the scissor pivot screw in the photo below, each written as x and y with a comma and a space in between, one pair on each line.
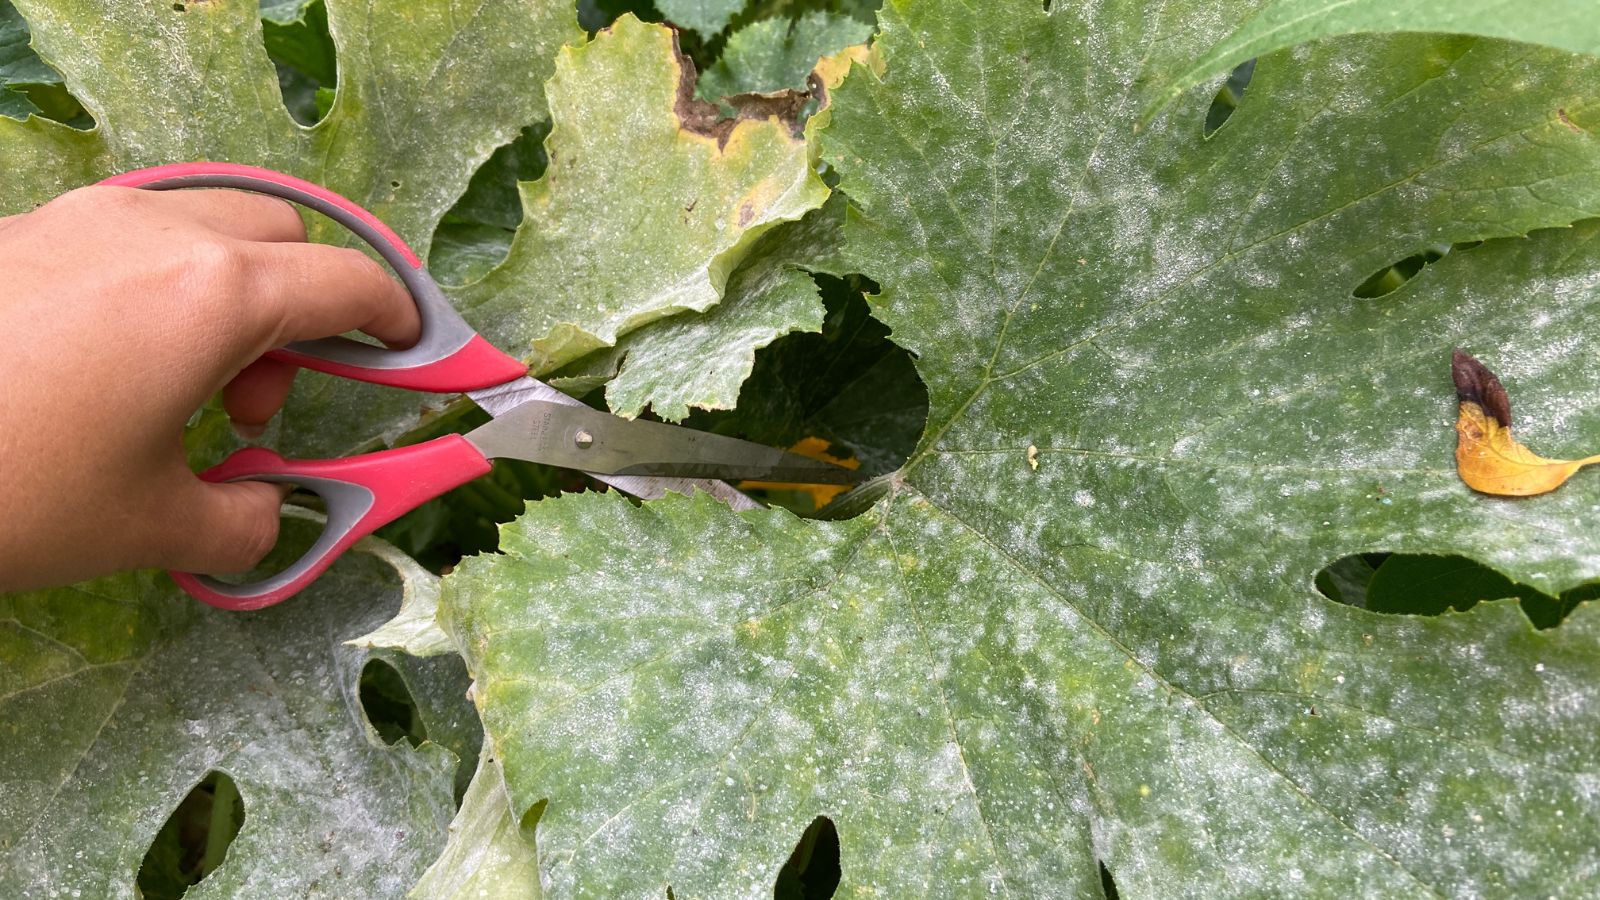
583, 439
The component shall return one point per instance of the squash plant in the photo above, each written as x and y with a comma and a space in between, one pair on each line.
1102, 627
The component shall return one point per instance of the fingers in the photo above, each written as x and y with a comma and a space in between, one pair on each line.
222, 528
316, 290
236, 214
256, 394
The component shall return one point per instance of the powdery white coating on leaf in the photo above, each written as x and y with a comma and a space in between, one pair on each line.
119, 695
1003, 675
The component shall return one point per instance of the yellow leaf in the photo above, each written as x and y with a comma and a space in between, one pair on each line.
1488, 458
821, 494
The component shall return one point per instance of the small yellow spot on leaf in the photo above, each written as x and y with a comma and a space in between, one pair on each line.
1033, 457
1144, 790
1488, 458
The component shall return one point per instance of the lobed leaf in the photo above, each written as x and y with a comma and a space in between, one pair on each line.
117, 696
1081, 630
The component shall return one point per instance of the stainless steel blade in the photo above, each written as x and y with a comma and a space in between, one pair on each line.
502, 398
577, 437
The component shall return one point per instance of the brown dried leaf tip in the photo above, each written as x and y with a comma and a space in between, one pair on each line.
1488, 458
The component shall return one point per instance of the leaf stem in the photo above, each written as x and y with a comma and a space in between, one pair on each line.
220, 831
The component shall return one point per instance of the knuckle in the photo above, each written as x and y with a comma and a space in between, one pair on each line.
220, 273
285, 216
257, 535
99, 200
213, 257
365, 267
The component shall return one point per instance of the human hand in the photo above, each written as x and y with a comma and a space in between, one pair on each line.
123, 311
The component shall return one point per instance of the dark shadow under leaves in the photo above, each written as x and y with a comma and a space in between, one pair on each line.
194, 841
1418, 584
812, 871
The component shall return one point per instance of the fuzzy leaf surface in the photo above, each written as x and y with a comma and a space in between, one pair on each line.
1081, 629
118, 695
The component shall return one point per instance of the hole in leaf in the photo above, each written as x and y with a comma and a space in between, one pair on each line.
1108, 886
849, 392
1389, 279
1419, 584
475, 235
194, 841
389, 706
300, 46
594, 15
178, 7
28, 86
1229, 96
812, 871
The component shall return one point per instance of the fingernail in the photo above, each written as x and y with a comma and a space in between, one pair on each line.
247, 432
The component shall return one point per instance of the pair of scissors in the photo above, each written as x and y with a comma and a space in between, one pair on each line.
532, 420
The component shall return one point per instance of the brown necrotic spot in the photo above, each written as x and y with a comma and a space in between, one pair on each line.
706, 119
1476, 384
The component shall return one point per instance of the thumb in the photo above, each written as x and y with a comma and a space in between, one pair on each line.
225, 528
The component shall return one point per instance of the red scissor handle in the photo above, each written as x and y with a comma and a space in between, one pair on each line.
449, 357
362, 493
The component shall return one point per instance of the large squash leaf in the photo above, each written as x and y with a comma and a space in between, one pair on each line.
118, 695
1081, 626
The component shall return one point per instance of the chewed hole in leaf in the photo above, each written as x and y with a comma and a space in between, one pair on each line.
1229, 96
28, 85
194, 841
1419, 584
812, 870
308, 65
1390, 278
848, 394
388, 705
1108, 885
475, 235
